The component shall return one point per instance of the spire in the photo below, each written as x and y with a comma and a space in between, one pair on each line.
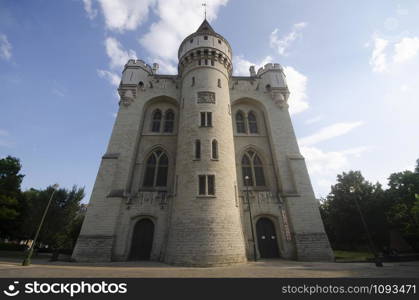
205, 27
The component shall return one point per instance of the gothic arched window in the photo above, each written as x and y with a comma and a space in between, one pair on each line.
253, 126
169, 121
155, 124
214, 149
253, 168
156, 167
240, 127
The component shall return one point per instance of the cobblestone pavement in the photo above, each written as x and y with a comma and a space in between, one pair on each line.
266, 268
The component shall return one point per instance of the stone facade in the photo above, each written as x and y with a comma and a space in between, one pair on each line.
200, 208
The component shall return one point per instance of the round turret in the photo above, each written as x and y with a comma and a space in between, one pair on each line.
205, 47
205, 228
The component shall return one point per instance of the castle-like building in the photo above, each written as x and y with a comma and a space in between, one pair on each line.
202, 168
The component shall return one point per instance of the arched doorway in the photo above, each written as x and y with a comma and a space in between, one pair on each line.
267, 238
142, 240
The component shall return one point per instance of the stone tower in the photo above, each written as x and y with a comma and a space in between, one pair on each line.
202, 167
205, 230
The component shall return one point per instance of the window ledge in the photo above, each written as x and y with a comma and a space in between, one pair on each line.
214, 159
206, 196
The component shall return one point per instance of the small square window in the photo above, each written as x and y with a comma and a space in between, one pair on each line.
191, 41
206, 119
205, 37
206, 185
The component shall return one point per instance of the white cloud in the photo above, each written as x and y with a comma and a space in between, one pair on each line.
58, 92
5, 47
324, 165
314, 120
378, 59
241, 65
297, 84
282, 44
329, 132
88, 7
113, 78
178, 18
406, 49
117, 54
121, 15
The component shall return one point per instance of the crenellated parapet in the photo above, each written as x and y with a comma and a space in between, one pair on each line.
205, 57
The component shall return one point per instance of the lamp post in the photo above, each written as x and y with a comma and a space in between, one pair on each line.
27, 260
246, 178
377, 260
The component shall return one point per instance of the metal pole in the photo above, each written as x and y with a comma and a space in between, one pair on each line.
251, 218
378, 262
27, 260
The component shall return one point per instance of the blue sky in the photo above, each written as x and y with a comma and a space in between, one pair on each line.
352, 68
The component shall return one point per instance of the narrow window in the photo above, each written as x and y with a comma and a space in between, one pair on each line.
209, 119
247, 171
149, 171
211, 185
163, 166
199, 61
169, 121
206, 62
214, 149
202, 184
191, 41
212, 62
203, 119
193, 81
141, 84
197, 149
219, 83
240, 123
219, 42
258, 169
253, 126
155, 125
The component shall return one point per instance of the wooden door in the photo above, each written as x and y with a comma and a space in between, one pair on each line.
267, 238
142, 240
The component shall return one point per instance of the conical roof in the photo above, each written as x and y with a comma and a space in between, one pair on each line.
205, 27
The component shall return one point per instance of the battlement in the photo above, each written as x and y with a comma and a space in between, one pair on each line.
138, 63
270, 67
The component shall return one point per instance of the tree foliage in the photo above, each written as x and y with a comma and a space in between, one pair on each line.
396, 208
62, 215
10, 194
21, 212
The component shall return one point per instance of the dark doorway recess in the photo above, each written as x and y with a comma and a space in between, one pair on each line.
142, 240
267, 238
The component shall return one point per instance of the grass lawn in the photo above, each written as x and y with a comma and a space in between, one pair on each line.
342, 255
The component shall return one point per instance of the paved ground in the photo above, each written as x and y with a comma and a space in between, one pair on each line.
10, 267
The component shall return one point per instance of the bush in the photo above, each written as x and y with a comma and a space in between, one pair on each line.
12, 247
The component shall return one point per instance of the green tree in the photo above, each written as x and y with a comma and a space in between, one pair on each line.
58, 228
403, 213
341, 216
10, 195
